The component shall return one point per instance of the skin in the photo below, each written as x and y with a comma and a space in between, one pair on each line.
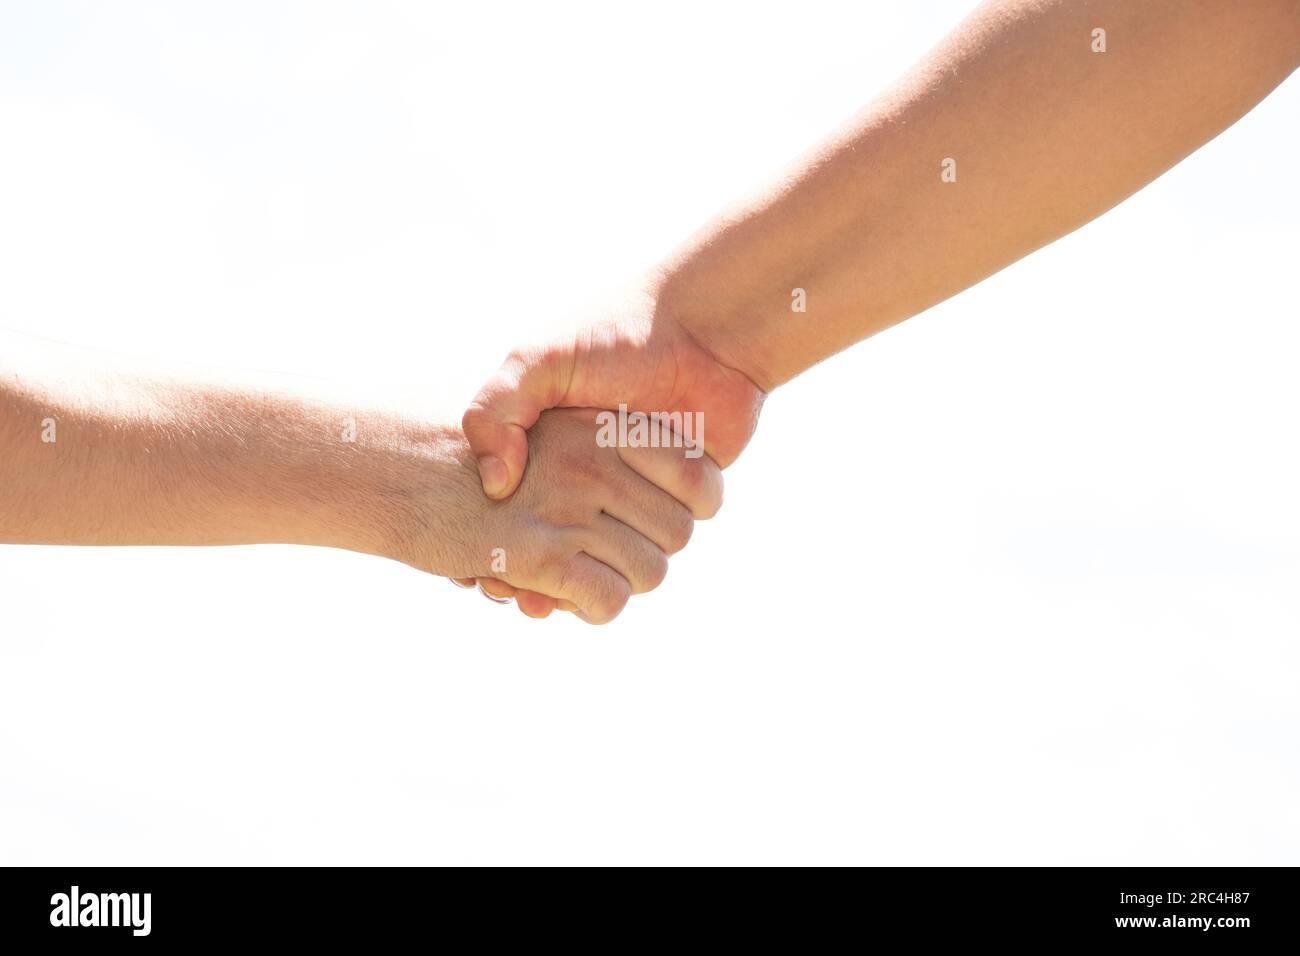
1046, 135
148, 457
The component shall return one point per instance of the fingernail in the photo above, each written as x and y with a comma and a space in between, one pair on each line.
492, 597
495, 477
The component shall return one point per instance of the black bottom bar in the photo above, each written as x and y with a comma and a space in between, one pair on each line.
1218, 907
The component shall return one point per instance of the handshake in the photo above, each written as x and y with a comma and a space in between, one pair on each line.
548, 492
582, 500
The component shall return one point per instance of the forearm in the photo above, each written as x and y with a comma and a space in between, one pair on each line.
93, 453
1045, 135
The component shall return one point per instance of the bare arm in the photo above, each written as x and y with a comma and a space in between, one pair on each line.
1041, 133
97, 451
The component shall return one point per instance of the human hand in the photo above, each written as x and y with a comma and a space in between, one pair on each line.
640, 357
588, 526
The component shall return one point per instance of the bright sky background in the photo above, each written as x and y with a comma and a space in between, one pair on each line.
1013, 583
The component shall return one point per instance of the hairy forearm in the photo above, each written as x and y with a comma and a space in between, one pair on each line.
1044, 134
97, 452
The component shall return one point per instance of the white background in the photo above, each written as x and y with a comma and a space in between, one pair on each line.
1015, 582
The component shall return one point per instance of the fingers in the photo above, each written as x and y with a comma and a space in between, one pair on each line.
597, 590
589, 588
634, 556
531, 603
653, 512
534, 605
609, 516
496, 422
695, 482
496, 590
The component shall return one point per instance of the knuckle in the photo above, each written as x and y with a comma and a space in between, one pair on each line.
475, 417
708, 488
656, 570
680, 527
690, 473
517, 360
610, 594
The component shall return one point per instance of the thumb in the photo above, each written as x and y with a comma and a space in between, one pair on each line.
496, 422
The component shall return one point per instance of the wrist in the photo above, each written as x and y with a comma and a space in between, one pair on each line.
720, 321
412, 494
